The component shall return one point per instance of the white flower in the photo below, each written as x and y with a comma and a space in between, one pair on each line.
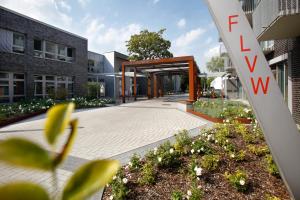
202, 149
193, 142
216, 141
227, 121
189, 193
232, 155
130, 164
198, 151
198, 171
111, 197
171, 150
155, 151
227, 141
242, 181
114, 177
125, 180
192, 151
159, 159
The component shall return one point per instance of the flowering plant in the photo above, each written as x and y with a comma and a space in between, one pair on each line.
238, 180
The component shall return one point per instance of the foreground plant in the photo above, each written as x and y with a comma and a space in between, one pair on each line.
19, 152
238, 180
183, 142
177, 195
210, 162
119, 187
271, 166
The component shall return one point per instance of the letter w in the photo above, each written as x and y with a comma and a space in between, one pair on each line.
260, 82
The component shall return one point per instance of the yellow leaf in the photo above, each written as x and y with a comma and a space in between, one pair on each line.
24, 153
89, 178
58, 118
23, 191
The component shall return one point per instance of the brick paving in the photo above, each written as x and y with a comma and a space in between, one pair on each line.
104, 133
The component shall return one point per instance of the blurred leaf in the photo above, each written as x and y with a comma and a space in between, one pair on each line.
89, 178
23, 191
58, 118
24, 153
67, 147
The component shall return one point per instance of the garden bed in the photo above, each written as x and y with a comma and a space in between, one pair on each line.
12, 113
226, 162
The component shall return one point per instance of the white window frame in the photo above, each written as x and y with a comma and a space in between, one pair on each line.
18, 46
11, 80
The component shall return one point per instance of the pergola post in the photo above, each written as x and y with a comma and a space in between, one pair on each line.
123, 83
134, 85
155, 93
192, 79
161, 85
149, 92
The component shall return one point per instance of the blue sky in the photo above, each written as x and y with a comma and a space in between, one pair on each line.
109, 23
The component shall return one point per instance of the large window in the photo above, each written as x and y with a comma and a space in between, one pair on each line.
50, 50
53, 86
18, 43
12, 87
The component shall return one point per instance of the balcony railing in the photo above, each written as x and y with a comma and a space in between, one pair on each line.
267, 46
248, 5
268, 11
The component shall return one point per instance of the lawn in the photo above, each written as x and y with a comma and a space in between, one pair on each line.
229, 161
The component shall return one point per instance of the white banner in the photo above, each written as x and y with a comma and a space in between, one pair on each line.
262, 89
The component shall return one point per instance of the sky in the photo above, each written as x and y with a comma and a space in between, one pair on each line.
108, 24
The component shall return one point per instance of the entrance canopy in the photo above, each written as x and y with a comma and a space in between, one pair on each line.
155, 69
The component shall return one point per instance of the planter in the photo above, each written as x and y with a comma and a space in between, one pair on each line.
12, 120
217, 120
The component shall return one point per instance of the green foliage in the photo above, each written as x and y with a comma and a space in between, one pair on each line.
24, 153
148, 45
258, 150
167, 157
195, 193
135, 162
210, 162
238, 180
23, 190
177, 195
119, 188
271, 197
216, 64
93, 89
89, 178
192, 170
239, 156
148, 174
202, 147
58, 118
271, 166
183, 142
21, 152
243, 130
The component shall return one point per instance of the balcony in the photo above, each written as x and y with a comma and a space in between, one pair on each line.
267, 46
276, 19
248, 7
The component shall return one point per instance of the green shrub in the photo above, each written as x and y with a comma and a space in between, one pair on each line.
239, 156
271, 166
118, 185
259, 150
177, 195
151, 156
167, 157
148, 174
195, 193
194, 170
229, 147
249, 138
271, 197
238, 180
135, 162
210, 162
201, 147
183, 142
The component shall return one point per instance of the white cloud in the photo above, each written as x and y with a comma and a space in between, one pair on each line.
155, 1
208, 40
53, 12
83, 3
181, 23
189, 37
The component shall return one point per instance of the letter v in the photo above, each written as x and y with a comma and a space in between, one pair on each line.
251, 67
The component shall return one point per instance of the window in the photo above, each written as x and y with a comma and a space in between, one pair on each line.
53, 86
38, 48
18, 43
12, 87
51, 50
70, 54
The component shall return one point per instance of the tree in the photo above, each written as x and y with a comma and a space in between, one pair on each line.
216, 64
148, 45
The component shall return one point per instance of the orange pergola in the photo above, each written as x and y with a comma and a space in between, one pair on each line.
159, 67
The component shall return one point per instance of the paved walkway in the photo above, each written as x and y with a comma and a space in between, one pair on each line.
105, 133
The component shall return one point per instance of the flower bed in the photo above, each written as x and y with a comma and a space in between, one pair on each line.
229, 161
217, 110
10, 113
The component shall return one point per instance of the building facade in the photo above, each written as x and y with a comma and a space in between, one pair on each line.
276, 24
38, 60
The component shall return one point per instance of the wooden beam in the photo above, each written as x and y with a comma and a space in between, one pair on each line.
123, 83
134, 84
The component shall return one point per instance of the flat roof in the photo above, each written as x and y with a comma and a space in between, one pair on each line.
40, 22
